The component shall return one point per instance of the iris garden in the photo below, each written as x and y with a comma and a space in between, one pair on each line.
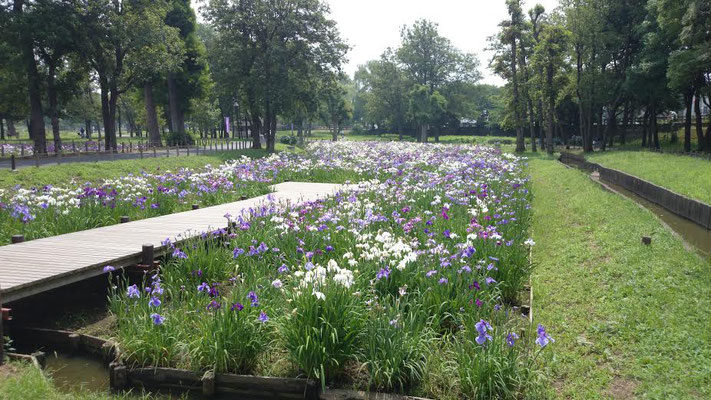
410, 280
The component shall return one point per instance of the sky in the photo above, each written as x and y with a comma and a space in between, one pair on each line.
370, 26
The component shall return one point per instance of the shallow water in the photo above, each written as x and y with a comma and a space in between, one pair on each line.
70, 372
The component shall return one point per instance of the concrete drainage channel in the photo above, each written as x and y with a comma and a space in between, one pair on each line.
688, 218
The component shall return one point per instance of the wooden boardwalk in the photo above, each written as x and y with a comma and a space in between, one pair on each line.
38, 265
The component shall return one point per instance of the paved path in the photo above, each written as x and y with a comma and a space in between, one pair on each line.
43, 264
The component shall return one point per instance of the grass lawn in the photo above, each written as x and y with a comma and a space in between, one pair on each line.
689, 176
629, 320
82, 172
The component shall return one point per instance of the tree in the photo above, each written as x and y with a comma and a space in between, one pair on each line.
18, 24
506, 46
430, 60
425, 108
117, 34
549, 57
55, 38
387, 97
336, 109
191, 80
274, 48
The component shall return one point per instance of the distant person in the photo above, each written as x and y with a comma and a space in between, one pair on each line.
81, 132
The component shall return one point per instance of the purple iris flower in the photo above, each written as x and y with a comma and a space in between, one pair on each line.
237, 306
383, 273
253, 299
157, 319
490, 280
482, 327
263, 317
179, 254
443, 281
283, 269
511, 339
430, 273
154, 302
203, 287
543, 337
237, 252
109, 268
132, 292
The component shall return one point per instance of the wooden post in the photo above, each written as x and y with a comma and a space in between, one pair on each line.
147, 254
117, 376
196, 206
86, 146
154, 152
22, 150
177, 150
74, 147
17, 239
208, 383
123, 147
167, 151
37, 160
124, 219
140, 149
188, 148
12, 162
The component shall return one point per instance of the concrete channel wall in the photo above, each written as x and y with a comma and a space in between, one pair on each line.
691, 209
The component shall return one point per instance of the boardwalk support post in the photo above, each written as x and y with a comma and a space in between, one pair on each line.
124, 219
147, 254
17, 239
117, 376
196, 206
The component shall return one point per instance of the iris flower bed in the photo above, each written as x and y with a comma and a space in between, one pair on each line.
51, 210
409, 282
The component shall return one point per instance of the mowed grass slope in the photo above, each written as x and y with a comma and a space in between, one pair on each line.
689, 176
95, 171
629, 320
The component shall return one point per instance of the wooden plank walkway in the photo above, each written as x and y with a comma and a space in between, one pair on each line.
38, 265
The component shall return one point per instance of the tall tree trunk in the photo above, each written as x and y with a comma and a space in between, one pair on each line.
105, 111
11, 128
53, 108
271, 137
520, 145
2, 129
551, 108
87, 124
699, 122
151, 116
688, 99
177, 124
399, 131
256, 130
654, 129
644, 128
532, 127
36, 127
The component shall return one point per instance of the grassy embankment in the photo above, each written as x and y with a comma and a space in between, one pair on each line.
92, 172
689, 176
629, 320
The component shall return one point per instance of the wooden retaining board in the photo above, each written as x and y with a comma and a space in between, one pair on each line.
39, 265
